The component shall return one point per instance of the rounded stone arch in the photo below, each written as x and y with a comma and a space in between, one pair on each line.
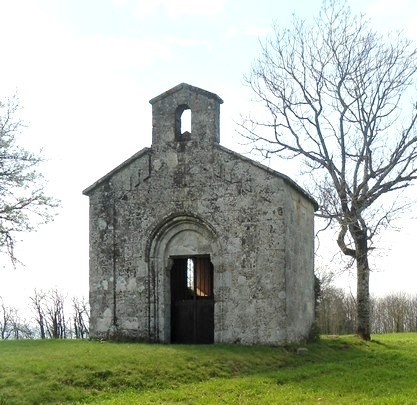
173, 231
179, 235
180, 134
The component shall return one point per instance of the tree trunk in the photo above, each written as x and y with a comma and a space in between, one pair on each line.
362, 293
41, 326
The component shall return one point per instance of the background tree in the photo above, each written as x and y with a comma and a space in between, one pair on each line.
336, 313
57, 320
55, 315
23, 203
6, 320
80, 314
396, 312
336, 94
38, 302
12, 326
49, 313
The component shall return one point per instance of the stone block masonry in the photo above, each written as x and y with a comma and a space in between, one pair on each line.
191, 242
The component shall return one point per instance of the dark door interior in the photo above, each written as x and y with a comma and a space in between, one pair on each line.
192, 303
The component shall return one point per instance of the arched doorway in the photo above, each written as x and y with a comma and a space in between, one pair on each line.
182, 246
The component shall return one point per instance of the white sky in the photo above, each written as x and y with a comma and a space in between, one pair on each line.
85, 70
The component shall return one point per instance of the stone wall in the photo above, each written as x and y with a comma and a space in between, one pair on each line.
192, 197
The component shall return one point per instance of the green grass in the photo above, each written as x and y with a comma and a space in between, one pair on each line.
337, 370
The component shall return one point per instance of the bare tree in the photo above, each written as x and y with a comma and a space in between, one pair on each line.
55, 315
22, 329
396, 312
23, 202
336, 95
12, 326
336, 309
51, 312
49, 309
6, 319
38, 306
80, 318
336, 312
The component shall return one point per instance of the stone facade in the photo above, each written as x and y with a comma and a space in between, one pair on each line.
188, 196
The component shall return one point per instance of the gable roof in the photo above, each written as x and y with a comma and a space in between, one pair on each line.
186, 86
236, 155
284, 177
122, 165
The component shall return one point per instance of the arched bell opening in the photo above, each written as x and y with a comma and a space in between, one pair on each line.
182, 122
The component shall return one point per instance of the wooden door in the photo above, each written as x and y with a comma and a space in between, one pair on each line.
192, 301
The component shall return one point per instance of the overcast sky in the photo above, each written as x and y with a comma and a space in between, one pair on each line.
85, 70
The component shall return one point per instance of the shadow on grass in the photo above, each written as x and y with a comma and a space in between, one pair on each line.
336, 370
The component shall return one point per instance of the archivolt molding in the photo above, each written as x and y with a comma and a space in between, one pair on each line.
171, 226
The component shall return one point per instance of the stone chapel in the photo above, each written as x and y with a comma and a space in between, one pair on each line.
191, 242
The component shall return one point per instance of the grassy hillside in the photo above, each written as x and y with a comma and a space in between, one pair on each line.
335, 370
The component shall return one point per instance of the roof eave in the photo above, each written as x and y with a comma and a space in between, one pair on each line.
287, 179
189, 87
103, 179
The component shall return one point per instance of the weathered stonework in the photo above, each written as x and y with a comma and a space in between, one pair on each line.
187, 196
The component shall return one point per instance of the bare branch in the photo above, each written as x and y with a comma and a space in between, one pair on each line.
339, 95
